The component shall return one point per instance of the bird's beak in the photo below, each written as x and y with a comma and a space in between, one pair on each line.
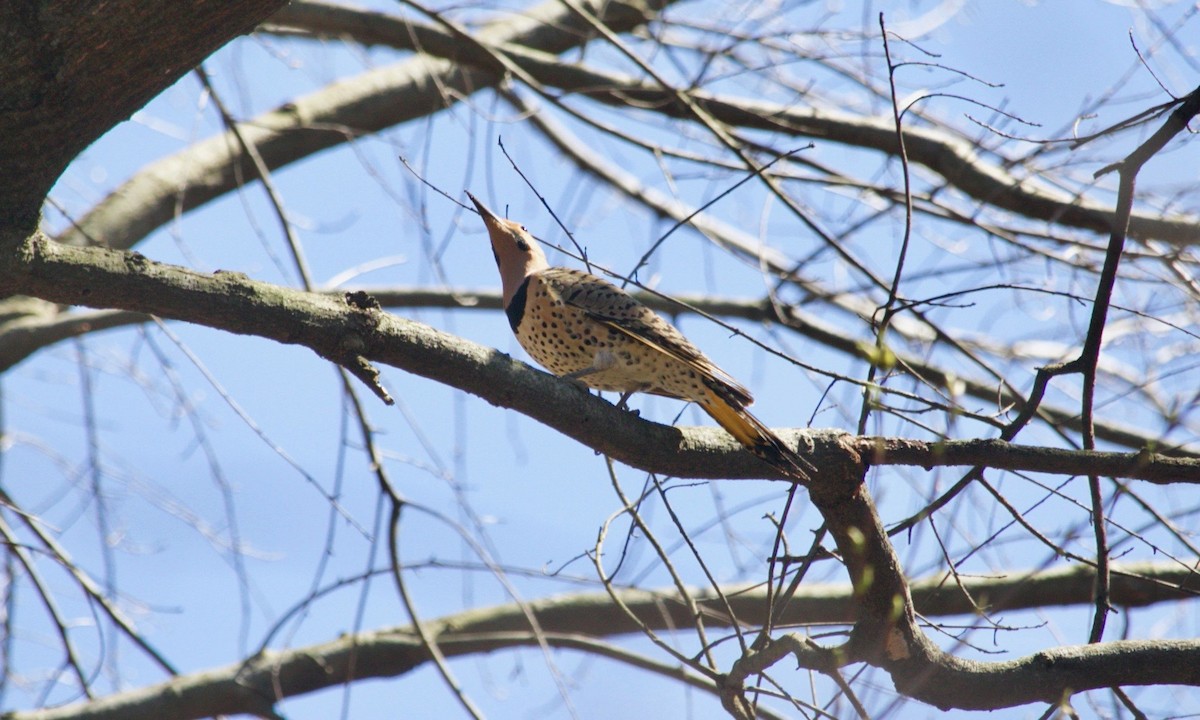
487, 215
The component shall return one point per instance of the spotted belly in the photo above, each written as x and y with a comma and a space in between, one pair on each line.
565, 340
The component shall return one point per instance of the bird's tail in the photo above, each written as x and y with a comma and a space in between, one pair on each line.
756, 437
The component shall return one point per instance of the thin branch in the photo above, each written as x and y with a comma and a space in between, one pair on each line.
951, 156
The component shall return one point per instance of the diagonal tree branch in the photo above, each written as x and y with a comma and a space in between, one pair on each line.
352, 328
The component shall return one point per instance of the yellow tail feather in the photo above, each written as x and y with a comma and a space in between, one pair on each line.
757, 438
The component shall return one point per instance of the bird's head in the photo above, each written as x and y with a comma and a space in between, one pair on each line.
517, 254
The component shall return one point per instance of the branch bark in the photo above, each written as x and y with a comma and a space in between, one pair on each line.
345, 332
72, 70
1050, 676
256, 684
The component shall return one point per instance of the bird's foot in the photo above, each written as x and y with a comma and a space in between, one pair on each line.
621, 404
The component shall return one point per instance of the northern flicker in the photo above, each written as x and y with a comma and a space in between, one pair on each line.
582, 327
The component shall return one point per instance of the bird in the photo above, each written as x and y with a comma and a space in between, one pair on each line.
584, 328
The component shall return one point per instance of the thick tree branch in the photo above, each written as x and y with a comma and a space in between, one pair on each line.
1050, 676
250, 687
72, 70
345, 330
1146, 465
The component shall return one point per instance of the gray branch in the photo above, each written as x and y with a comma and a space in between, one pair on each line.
344, 331
255, 685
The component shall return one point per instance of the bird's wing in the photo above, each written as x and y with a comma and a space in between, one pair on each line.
686, 353
614, 308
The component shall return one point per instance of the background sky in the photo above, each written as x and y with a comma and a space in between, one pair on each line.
218, 453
